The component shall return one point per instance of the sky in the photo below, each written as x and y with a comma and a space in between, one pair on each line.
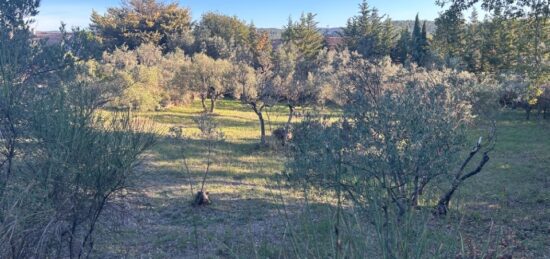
264, 13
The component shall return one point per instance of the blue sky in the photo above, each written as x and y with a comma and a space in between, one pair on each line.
264, 13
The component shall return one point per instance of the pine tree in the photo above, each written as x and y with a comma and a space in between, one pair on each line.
500, 44
507, 45
489, 48
369, 34
308, 38
472, 52
387, 40
305, 36
288, 34
401, 51
449, 37
417, 33
419, 50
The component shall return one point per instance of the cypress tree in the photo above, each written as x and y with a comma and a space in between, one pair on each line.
472, 55
419, 43
449, 37
401, 51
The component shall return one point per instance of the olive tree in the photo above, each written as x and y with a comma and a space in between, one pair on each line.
398, 143
299, 83
61, 162
257, 90
145, 76
207, 77
400, 130
69, 162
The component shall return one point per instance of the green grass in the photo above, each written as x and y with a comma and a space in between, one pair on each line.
513, 193
507, 205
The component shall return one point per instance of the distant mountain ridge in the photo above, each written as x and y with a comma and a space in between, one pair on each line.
275, 33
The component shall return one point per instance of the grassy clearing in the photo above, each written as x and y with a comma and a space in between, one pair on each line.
507, 207
511, 198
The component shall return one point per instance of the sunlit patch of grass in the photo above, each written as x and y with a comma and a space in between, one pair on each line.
245, 219
513, 191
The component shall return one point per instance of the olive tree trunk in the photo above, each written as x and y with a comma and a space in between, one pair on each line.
259, 113
290, 115
442, 206
203, 99
212, 104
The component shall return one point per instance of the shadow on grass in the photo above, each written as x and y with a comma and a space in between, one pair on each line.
230, 160
224, 120
196, 148
170, 227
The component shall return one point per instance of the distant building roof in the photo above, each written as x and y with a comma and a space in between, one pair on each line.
332, 42
276, 43
51, 37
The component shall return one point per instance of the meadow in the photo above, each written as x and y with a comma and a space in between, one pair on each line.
504, 211
141, 133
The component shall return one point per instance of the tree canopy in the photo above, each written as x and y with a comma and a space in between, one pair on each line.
143, 21
369, 34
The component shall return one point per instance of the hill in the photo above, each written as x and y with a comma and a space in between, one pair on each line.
275, 33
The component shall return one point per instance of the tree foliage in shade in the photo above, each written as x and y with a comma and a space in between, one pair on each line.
510, 8
420, 46
61, 162
14, 14
400, 137
401, 53
513, 37
449, 37
261, 48
85, 45
474, 43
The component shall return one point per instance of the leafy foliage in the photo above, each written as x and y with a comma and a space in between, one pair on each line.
218, 35
207, 77
61, 162
144, 21
144, 77
399, 138
368, 34
305, 36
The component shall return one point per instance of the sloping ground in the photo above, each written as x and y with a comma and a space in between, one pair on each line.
509, 203
507, 207
158, 221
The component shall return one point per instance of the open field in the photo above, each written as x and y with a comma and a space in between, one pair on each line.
506, 207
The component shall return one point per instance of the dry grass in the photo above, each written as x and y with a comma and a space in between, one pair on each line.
506, 207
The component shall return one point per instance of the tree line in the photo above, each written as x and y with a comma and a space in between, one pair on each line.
495, 43
162, 57
407, 99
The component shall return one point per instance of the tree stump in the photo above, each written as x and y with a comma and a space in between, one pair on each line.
201, 199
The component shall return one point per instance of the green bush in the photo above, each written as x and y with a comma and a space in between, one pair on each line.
397, 144
61, 160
